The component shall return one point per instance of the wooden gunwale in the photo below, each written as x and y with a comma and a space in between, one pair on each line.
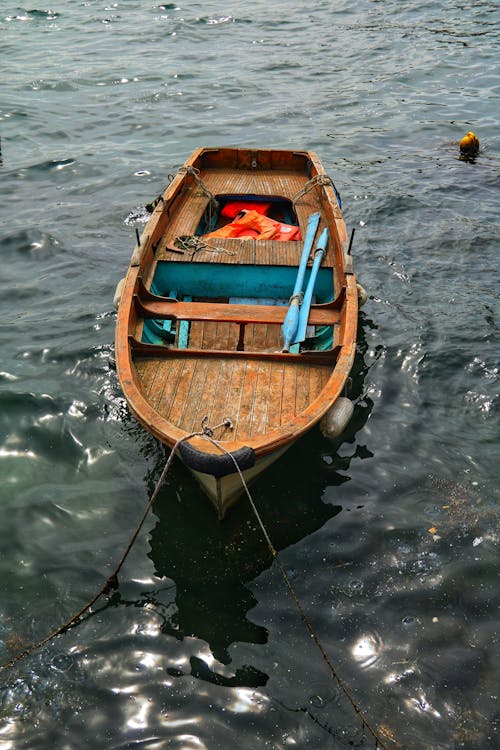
133, 308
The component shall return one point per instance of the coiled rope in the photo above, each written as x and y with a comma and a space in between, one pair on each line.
213, 205
112, 580
192, 245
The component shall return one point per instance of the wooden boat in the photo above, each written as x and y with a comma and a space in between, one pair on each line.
203, 311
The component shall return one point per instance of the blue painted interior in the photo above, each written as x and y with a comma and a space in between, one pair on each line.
251, 284
209, 280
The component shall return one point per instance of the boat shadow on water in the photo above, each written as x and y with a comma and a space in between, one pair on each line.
211, 563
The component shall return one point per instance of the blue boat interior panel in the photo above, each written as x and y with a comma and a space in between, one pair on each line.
236, 284
213, 281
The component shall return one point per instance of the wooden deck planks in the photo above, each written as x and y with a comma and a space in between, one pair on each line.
163, 392
288, 394
275, 396
147, 371
263, 338
180, 390
205, 395
216, 336
191, 401
231, 403
245, 415
258, 396
302, 396
261, 399
218, 408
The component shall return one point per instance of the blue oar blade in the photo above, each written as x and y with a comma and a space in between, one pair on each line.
308, 294
290, 323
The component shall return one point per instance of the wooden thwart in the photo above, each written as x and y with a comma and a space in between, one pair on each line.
229, 313
159, 351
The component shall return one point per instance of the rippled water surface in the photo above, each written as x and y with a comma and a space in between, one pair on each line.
390, 537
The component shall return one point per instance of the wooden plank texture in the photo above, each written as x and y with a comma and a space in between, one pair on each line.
256, 395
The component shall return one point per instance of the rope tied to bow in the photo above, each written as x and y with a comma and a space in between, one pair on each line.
212, 208
319, 180
111, 582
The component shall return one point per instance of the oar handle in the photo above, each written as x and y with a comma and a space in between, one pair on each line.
312, 226
307, 299
289, 327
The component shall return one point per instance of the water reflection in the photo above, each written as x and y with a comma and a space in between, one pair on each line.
211, 563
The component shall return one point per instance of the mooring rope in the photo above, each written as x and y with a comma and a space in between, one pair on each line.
213, 204
319, 180
366, 724
112, 580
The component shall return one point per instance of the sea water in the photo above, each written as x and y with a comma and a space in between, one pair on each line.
390, 535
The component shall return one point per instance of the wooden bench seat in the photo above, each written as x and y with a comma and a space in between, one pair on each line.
170, 309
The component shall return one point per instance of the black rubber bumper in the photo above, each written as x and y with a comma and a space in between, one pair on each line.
218, 465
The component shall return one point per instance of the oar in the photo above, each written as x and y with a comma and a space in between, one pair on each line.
291, 321
307, 299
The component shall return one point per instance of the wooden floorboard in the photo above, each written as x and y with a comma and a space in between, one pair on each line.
244, 423
275, 397
234, 394
218, 409
165, 386
189, 413
206, 391
261, 400
173, 411
147, 370
258, 396
288, 394
302, 390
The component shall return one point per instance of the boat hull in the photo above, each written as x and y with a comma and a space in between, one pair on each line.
200, 316
225, 491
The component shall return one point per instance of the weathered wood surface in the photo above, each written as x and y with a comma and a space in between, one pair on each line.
258, 396
193, 201
231, 313
271, 397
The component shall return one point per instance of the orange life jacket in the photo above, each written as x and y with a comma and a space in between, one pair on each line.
253, 224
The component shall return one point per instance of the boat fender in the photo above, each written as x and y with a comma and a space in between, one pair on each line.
218, 465
337, 417
118, 293
362, 295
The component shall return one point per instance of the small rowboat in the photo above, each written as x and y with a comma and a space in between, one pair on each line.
223, 321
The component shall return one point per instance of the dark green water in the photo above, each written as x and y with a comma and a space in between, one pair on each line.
200, 647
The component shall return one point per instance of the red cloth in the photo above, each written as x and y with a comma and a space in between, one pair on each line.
232, 209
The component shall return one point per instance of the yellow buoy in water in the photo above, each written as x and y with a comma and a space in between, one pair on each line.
469, 145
